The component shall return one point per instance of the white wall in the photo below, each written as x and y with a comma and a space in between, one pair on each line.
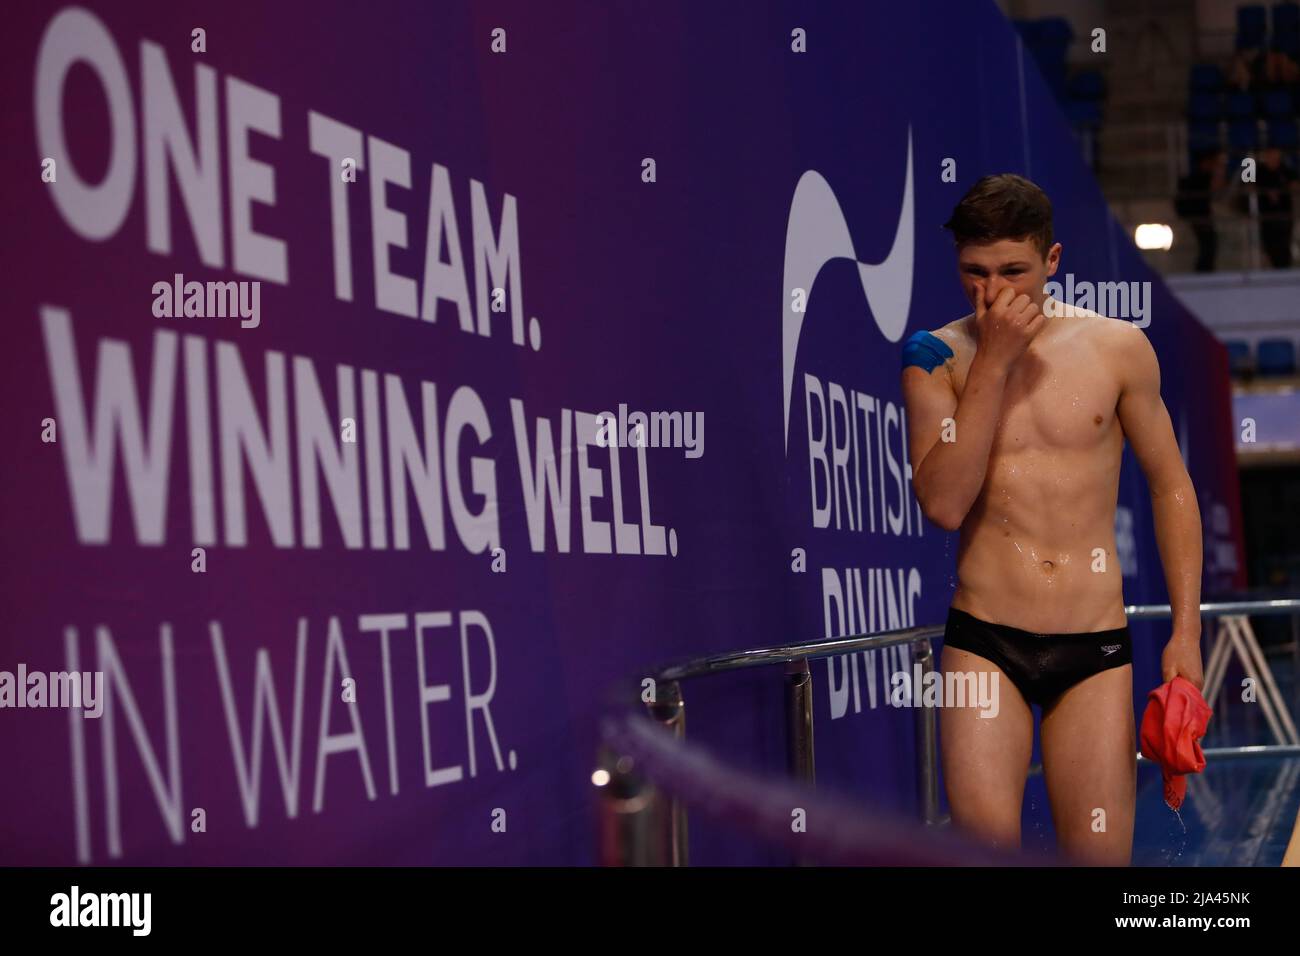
1243, 305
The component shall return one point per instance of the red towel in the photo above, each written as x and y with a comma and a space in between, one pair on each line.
1172, 727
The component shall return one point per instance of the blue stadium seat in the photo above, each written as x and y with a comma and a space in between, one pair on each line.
1277, 103
1054, 72
1286, 18
1087, 85
1205, 106
1048, 42
1203, 135
1288, 43
1206, 78
1252, 18
1239, 359
1282, 133
1083, 112
1028, 30
1241, 105
1276, 357
1243, 134
1055, 31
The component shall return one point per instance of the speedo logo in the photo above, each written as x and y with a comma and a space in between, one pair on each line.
1109, 649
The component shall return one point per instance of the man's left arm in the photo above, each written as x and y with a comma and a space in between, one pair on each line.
1145, 420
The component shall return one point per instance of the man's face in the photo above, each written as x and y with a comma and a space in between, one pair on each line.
1007, 263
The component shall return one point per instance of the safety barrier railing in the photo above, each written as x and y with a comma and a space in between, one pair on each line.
644, 764
642, 825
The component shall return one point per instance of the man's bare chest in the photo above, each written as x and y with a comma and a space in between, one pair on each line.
1056, 399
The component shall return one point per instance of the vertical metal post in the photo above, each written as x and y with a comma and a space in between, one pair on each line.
1252, 239
1172, 159
670, 710
629, 811
927, 740
800, 757
1295, 658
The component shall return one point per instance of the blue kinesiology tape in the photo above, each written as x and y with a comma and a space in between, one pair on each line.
925, 351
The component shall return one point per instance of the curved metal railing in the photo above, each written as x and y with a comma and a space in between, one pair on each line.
812, 826
631, 800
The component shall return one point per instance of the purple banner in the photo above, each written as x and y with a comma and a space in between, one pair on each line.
315, 311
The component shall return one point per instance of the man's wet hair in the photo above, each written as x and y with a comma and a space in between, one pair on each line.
1005, 206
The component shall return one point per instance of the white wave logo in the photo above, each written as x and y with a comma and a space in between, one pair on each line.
817, 233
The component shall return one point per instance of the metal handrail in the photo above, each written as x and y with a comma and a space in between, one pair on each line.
826, 647
786, 653
841, 831
1148, 612
667, 705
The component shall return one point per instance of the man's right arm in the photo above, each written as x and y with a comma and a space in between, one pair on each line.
949, 474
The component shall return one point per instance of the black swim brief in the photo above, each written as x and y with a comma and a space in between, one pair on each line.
1040, 665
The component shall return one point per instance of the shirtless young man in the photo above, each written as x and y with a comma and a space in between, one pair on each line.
1017, 416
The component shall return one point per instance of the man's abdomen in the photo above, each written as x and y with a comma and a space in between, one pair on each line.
1067, 599
1039, 554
